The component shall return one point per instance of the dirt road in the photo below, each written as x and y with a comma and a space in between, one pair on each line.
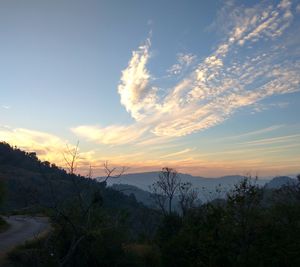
22, 228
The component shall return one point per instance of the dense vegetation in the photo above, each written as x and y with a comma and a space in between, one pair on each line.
249, 229
97, 226
86, 214
3, 224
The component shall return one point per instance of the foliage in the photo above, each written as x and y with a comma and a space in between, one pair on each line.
165, 188
240, 232
168, 187
187, 197
3, 225
97, 226
91, 222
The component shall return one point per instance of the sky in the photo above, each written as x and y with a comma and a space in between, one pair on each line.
209, 88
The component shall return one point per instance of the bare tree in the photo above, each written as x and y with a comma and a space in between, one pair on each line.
82, 227
112, 173
165, 188
159, 198
71, 157
90, 172
187, 197
78, 217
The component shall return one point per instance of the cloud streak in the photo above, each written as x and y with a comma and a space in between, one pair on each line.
51, 147
257, 132
110, 135
48, 146
280, 139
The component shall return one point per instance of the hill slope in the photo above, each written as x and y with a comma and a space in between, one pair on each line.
30, 182
279, 181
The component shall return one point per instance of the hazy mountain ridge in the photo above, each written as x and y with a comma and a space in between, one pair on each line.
138, 184
144, 180
140, 195
280, 181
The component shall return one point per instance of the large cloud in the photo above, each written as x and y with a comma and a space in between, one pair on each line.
137, 95
250, 64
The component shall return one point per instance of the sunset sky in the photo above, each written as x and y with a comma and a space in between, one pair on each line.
210, 88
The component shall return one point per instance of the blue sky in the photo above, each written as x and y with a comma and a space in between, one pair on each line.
207, 87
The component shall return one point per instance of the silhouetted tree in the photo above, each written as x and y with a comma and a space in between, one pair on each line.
2, 192
187, 197
165, 188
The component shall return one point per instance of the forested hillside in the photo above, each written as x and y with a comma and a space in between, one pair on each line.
31, 183
77, 205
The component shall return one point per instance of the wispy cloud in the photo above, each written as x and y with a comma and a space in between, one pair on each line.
47, 146
151, 140
254, 151
51, 147
279, 139
176, 154
6, 106
184, 61
237, 74
111, 135
257, 132
259, 107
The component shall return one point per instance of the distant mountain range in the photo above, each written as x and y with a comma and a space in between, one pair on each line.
209, 188
280, 181
145, 179
139, 183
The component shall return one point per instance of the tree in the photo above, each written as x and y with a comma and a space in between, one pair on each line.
244, 207
71, 157
165, 188
112, 173
187, 197
2, 192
